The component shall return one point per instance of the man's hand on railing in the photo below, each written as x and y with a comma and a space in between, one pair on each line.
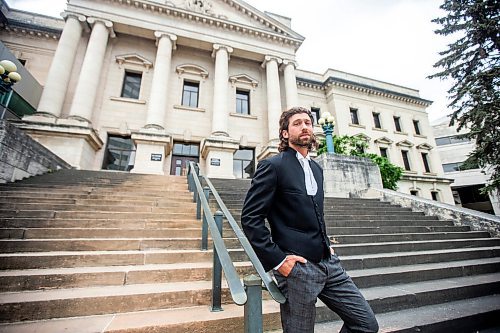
290, 261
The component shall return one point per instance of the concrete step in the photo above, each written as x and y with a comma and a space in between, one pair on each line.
399, 237
72, 302
393, 229
396, 222
199, 318
70, 194
81, 277
131, 223
105, 244
96, 214
78, 277
463, 316
64, 200
405, 246
65, 259
151, 208
110, 233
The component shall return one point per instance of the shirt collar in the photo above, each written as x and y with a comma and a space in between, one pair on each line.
300, 157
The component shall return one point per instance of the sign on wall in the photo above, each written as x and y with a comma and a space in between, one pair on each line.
156, 157
215, 161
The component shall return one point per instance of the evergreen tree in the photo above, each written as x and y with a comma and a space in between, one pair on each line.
472, 62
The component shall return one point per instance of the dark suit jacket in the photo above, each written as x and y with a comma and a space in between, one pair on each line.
278, 193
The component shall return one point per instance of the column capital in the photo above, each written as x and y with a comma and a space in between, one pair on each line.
82, 19
218, 47
269, 58
160, 34
287, 62
108, 24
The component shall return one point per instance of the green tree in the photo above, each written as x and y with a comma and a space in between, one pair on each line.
472, 63
354, 146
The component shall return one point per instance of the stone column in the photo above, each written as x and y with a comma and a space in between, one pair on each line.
157, 105
292, 98
88, 82
273, 98
220, 113
55, 88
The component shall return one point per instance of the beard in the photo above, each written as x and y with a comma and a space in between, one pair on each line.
302, 142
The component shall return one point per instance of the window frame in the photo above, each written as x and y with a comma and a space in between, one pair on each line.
355, 119
397, 124
190, 83
243, 92
416, 127
406, 161
376, 120
131, 73
426, 162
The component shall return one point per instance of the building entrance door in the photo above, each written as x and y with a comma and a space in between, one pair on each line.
182, 153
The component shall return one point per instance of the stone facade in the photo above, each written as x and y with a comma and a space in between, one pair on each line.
213, 74
22, 157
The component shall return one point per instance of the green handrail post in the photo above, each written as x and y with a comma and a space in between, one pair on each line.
217, 270
253, 306
204, 225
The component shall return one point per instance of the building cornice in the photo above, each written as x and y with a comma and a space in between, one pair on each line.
279, 34
32, 30
363, 88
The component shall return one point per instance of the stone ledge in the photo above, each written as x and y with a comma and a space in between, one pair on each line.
460, 216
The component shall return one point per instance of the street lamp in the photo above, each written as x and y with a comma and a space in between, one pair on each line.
327, 122
9, 77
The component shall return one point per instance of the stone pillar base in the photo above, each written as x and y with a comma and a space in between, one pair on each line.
349, 176
269, 150
218, 152
72, 140
152, 148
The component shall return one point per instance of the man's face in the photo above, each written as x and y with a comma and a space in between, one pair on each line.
300, 130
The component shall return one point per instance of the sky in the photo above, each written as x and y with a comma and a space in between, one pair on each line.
387, 40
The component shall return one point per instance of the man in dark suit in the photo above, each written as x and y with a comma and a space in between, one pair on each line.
287, 190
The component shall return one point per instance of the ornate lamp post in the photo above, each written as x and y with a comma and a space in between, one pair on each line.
9, 77
327, 122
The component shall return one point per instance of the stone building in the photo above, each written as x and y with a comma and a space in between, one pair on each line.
466, 187
145, 86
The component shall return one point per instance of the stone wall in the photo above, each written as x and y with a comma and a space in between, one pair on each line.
22, 157
478, 221
348, 176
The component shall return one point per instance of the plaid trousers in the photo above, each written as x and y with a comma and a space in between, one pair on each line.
329, 282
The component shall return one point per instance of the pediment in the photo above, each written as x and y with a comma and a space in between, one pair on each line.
192, 69
425, 146
363, 137
133, 59
384, 140
236, 12
243, 79
405, 143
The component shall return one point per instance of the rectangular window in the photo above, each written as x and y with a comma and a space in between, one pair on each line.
416, 125
242, 102
376, 120
397, 124
315, 114
451, 167
383, 152
354, 116
434, 196
131, 85
414, 192
190, 94
406, 159
448, 140
425, 159
243, 163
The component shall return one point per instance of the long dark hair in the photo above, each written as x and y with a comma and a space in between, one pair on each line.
284, 122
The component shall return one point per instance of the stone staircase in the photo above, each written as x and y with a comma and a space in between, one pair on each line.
418, 273
84, 251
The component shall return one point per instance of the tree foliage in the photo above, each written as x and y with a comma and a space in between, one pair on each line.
355, 146
472, 63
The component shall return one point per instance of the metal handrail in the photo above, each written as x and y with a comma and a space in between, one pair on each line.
233, 280
268, 281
